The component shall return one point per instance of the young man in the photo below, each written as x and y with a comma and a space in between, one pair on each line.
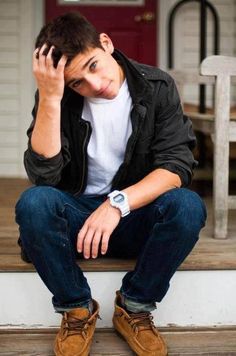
110, 154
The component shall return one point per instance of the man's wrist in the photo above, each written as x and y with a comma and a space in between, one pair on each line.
53, 102
119, 199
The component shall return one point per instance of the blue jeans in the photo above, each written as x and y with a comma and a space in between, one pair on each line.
160, 235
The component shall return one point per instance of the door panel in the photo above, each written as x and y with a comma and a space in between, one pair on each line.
133, 29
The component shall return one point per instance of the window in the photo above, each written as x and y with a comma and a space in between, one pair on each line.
102, 2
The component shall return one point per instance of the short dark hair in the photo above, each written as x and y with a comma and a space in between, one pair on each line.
70, 34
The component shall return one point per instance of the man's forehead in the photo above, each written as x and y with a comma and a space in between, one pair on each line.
81, 60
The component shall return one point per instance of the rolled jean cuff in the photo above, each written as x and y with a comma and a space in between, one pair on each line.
66, 308
137, 307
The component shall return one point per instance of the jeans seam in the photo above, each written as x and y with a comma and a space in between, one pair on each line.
70, 249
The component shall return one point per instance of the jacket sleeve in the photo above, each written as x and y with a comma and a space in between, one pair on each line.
42, 170
174, 137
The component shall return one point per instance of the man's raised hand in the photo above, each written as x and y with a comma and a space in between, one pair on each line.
50, 80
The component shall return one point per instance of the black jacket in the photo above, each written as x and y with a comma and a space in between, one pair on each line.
161, 135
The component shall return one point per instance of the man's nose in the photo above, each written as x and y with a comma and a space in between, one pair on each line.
94, 82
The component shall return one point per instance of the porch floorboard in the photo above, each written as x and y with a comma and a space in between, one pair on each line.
106, 342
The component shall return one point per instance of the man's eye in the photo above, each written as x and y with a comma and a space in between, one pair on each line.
76, 84
93, 65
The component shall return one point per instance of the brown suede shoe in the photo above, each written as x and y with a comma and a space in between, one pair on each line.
75, 335
139, 331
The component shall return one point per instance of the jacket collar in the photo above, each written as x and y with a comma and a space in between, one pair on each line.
138, 85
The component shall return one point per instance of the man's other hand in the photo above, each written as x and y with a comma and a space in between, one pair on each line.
97, 230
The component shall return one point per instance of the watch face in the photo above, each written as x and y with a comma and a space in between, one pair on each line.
119, 198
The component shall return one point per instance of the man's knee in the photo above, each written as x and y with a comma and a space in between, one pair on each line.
35, 203
186, 208
192, 212
34, 212
36, 198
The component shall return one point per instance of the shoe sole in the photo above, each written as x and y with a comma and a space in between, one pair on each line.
58, 353
124, 338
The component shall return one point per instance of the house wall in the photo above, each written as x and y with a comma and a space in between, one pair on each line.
20, 21
9, 86
186, 41
186, 37
234, 29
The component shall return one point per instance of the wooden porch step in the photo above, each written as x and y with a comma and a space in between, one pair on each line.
186, 342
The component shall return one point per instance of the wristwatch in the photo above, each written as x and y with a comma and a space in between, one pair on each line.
120, 200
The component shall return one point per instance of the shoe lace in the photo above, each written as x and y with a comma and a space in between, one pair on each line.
141, 321
72, 326
75, 326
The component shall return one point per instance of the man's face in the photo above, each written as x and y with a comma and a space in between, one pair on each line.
95, 73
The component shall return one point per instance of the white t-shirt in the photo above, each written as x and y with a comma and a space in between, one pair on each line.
111, 128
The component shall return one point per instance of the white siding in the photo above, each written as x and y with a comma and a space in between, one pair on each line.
190, 43
187, 32
20, 21
186, 36
235, 29
9, 86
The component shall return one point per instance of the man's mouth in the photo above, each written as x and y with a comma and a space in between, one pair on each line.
103, 91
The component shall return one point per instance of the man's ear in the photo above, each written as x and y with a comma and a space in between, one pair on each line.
106, 43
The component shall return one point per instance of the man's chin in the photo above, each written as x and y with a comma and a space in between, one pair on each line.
110, 96
109, 93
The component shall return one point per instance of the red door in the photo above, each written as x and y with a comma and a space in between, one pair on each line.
132, 29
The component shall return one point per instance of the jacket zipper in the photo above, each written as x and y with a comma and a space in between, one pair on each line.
84, 155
